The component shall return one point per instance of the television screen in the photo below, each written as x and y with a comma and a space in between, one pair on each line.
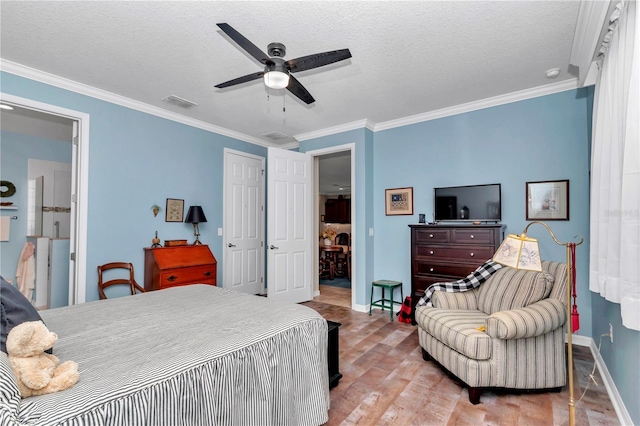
468, 203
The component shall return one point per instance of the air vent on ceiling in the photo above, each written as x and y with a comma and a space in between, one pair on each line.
181, 102
277, 137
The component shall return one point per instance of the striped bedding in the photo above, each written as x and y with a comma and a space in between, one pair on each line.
193, 355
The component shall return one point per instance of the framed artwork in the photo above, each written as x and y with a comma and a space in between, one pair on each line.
548, 200
175, 210
399, 201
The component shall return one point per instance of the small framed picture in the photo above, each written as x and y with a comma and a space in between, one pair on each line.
399, 201
548, 200
175, 210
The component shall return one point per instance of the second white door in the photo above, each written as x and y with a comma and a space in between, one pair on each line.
290, 219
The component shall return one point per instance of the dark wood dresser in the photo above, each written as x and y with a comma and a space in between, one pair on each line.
166, 267
443, 253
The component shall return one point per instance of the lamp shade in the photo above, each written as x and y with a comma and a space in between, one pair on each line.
195, 215
520, 252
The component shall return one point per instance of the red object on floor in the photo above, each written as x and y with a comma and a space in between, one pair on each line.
405, 311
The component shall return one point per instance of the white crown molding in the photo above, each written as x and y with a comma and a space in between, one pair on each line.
83, 89
336, 129
535, 92
589, 28
63, 83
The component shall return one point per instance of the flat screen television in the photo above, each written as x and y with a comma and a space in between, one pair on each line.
474, 203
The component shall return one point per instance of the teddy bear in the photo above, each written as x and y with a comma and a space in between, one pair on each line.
37, 372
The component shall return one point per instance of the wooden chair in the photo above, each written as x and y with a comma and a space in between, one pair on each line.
344, 260
130, 281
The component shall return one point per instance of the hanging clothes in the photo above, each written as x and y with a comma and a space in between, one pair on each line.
26, 271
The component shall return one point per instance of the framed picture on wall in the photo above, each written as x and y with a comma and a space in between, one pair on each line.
548, 200
399, 201
175, 210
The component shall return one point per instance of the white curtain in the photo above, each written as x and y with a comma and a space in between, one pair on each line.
615, 170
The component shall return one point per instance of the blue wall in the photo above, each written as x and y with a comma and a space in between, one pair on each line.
16, 150
540, 139
136, 160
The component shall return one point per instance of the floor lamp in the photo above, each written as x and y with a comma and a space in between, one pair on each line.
522, 252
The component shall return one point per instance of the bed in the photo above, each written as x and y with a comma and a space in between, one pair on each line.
192, 355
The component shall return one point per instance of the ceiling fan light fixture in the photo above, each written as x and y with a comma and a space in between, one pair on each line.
276, 79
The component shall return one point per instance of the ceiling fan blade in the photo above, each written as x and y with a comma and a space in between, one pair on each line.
240, 80
298, 89
317, 60
242, 41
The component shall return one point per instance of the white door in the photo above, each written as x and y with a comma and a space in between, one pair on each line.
289, 220
243, 222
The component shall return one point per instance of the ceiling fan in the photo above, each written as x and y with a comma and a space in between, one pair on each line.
277, 71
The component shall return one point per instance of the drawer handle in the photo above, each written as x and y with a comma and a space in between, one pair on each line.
207, 274
430, 235
472, 237
172, 278
430, 269
472, 254
430, 251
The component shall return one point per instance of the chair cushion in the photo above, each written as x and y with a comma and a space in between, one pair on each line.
457, 329
14, 310
511, 288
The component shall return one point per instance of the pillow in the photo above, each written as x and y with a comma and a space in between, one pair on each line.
14, 309
511, 288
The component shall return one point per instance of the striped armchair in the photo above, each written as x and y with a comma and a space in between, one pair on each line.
522, 343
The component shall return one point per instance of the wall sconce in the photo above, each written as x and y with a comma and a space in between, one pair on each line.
195, 215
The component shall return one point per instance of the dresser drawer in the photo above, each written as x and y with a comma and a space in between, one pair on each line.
472, 236
432, 236
459, 252
436, 268
193, 275
420, 284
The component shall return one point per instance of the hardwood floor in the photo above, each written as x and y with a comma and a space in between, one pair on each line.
386, 382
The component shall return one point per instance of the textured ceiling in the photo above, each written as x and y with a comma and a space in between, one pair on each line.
408, 57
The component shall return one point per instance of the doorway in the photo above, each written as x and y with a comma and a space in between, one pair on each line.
335, 181
75, 265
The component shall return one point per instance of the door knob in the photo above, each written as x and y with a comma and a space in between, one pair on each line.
231, 245
272, 247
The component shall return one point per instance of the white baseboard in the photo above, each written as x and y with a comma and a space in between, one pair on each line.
621, 411
361, 308
365, 308
614, 396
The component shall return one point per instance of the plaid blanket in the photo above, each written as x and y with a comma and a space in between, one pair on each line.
471, 281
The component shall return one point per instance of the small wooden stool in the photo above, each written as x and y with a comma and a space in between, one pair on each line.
389, 285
